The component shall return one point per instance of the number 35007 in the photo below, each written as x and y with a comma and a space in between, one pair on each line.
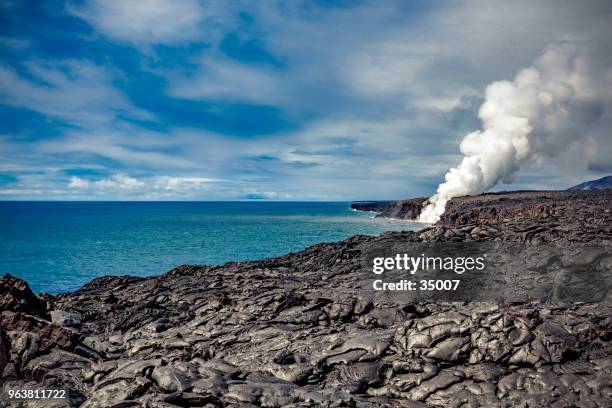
432, 284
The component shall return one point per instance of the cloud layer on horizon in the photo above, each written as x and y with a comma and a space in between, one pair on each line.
262, 100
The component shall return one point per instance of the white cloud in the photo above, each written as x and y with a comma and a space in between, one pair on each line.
380, 93
120, 181
73, 90
115, 182
222, 78
123, 144
144, 22
183, 184
78, 183
157, 186
376, 57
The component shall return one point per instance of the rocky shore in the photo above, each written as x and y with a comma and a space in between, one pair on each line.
297, 331
398, 209
515, 216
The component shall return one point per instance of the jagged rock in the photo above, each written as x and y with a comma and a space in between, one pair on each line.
50, 334
428, 387
16, 296
119, 393
400, 209
174, 378
354, 378
450, 349
4, 350
263, 394
65, 319
23, 347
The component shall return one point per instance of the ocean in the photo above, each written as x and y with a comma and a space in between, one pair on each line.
59, 246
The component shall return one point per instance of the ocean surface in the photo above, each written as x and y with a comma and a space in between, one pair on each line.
59, 246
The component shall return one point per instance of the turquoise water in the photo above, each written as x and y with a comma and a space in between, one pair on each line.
59, 246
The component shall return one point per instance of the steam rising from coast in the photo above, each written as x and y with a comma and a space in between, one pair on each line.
560, 107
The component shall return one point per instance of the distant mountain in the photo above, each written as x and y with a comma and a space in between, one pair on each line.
599, 184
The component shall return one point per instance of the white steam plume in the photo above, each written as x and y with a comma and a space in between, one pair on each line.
561, 107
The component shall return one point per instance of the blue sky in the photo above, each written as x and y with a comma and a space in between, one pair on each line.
290, 100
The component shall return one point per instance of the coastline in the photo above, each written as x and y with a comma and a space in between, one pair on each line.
177, 224
60, 246
297, 329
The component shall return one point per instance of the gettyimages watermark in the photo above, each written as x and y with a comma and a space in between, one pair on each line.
490, 271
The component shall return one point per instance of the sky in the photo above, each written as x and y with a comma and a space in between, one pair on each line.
251, 100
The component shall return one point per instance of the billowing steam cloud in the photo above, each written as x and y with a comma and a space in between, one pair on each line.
560, 108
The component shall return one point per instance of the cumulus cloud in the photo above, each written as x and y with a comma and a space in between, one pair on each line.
115, 182
181, 184
151, 187
120, 181
143, 22
78, 183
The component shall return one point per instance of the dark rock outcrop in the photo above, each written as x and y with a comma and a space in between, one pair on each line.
297, 331
16, 296
510, 214
399, 209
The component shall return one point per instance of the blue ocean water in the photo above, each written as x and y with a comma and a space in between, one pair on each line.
59, 246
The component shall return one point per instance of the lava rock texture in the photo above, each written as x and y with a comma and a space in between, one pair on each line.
398, 209
295, 330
